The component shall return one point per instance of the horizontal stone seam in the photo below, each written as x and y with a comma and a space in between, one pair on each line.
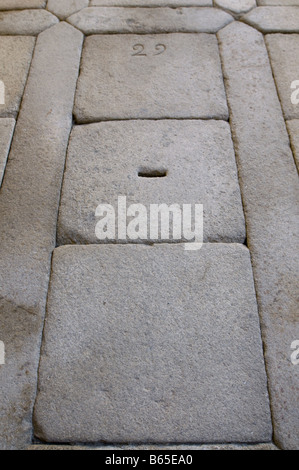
144, 34
23, 9
102, 445
147, 7
73, 243
89, 122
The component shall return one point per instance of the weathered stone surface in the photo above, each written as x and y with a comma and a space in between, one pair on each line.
152, 3
29, 201
26, 22
274, 20
293, 128
177, 76
236, 6
284, 55
104, 160
65, 8
98, 20
278, 2
21, 4
156, 447
13, 73
6, 131
193, 372
269, 185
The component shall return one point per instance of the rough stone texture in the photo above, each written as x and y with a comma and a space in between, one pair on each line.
269, 185
152, 3
293, 128
13, 73
236, 6
21, 4
284, 55
103, 163
99, 20
278, 2
183, 82
29, 201
274, 20
65, 8
6, 131
194, 372
26, 22
171, 448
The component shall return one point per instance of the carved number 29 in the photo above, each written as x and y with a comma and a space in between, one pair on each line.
139, 48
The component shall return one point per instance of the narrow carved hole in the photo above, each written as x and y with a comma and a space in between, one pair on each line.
148, 173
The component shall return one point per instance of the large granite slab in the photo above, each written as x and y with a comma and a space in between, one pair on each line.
152, 344
150, 77
151, 162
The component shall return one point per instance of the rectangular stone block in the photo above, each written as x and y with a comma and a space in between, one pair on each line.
270, 191
21, 4
149, 162
6, 131
278, 3
151, 3
15, 59
26, 22
150, 77
105, 20
284, 55
293, 128
236, 6
281, 19
152, 345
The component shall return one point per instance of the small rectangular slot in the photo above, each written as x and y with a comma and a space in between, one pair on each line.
148, 173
